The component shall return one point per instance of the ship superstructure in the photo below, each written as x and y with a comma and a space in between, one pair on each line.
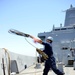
64, 38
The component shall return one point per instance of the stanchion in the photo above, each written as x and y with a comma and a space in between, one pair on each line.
60, 66
74, 64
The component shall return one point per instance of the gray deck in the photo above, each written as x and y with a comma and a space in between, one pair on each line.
38, 71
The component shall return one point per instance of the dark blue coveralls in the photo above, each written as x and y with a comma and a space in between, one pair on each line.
50, 62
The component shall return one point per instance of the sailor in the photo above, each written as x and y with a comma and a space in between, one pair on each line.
50, 62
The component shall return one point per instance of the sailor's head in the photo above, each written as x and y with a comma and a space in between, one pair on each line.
49, 39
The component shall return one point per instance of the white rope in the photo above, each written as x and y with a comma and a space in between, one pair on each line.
8, 63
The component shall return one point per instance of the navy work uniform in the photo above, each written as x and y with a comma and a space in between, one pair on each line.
50, 62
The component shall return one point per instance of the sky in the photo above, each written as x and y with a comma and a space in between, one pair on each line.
32, 17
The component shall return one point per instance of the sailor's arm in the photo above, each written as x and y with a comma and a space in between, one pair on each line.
36, 39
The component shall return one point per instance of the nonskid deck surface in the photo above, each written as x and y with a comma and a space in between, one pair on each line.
33, 70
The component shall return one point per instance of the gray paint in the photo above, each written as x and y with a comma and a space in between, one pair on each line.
63, 37
18, 61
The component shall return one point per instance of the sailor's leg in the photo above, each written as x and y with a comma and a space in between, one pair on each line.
46, 69
54, 68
